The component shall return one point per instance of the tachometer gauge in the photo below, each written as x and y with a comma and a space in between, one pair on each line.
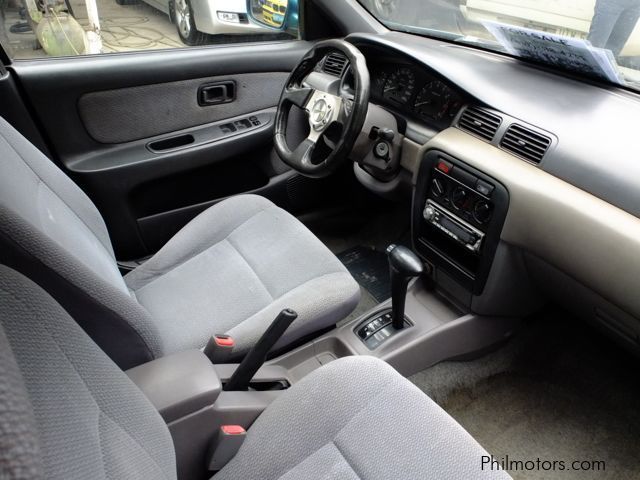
400, 86
433, 101
454, 107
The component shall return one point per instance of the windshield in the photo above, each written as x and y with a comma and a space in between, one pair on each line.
596, 38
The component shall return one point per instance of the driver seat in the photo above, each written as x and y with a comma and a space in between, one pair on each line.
230, 271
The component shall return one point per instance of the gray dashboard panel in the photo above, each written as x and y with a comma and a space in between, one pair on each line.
596, 126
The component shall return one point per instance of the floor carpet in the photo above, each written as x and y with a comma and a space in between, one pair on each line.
558, 391
370, 268
359, 239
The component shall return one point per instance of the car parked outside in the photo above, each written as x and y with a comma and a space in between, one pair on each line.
274, 12
197, 19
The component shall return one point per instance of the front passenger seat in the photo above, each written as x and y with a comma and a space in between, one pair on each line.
230, 270
68, 413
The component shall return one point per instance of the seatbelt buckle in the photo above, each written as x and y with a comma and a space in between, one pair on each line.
219, 348
225, 446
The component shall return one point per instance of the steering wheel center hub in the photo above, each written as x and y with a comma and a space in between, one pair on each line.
321, 114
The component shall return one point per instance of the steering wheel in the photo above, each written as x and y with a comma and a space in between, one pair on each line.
326, 111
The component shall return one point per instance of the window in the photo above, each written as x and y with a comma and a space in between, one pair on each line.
592, 37
52, 28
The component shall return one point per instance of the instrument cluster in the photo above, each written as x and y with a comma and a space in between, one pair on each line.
413, 91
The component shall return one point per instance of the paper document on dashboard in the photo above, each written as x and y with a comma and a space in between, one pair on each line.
564, 52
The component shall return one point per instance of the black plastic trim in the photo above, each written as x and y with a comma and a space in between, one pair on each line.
473, 280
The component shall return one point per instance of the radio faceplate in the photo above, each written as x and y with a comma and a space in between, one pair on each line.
457, 219
456, 228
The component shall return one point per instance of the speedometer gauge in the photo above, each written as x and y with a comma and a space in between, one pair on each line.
433, 101
400, 86
379, 80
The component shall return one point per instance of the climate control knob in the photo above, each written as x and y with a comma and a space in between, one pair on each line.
437, 188
482, 211
459, 198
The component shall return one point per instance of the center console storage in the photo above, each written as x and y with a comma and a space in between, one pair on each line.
187, 390
458, 214
179, 384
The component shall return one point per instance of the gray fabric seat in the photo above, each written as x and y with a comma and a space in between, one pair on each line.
230, 270
234, 268
67, 412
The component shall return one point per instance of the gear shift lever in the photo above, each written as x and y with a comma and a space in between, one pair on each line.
403, 266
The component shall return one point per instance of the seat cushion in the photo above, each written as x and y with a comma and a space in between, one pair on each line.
233, 269
357, 418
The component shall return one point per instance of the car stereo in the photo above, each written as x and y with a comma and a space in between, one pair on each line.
457, 219
457, 229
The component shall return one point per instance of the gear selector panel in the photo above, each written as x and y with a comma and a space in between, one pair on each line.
377, 329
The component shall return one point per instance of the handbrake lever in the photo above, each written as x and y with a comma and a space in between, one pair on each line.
256, 357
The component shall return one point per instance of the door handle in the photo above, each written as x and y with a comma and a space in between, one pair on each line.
216, 93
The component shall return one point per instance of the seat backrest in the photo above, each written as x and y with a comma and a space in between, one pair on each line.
20, 456
66, 411
51, 231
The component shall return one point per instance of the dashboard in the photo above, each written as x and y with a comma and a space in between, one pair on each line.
410, 90
571, 226
414, 92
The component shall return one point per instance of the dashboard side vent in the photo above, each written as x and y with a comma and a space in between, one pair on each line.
480, 122
334, 64
525, 143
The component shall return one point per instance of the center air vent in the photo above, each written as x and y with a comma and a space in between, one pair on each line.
480, 122
525, 143
334, 64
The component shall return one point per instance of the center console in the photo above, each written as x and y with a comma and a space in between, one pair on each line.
458, 214
192, 396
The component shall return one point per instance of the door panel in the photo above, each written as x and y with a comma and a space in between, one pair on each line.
132, 131
126, 114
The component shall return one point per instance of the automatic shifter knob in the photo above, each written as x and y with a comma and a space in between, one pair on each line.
403, 266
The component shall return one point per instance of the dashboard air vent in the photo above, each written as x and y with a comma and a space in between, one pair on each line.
480, 122
525, 143
334, 64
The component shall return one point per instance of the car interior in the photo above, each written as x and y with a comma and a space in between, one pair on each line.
363, 253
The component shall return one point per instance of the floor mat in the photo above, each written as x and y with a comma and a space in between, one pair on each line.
370, 269
557, 392
347, 229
